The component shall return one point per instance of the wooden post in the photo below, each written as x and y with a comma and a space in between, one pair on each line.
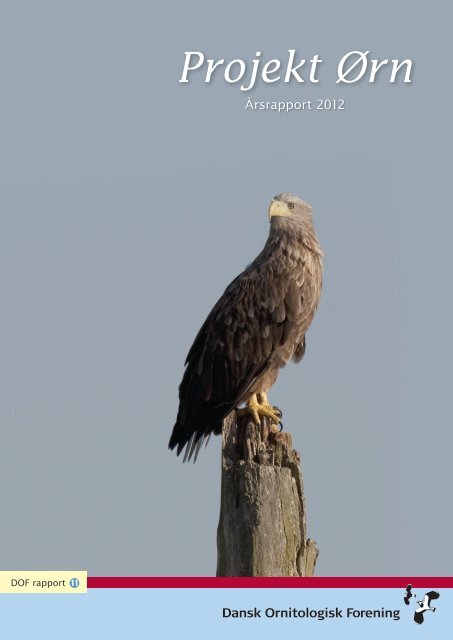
262, 526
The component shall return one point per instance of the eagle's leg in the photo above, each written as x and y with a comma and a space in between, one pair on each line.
251, 408
268, 410
257, 405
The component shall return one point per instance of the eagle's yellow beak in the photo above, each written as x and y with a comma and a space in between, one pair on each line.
278, 208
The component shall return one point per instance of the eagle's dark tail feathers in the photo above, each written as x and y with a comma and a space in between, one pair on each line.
198, 417
193, 437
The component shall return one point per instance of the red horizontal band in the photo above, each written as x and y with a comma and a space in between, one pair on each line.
145, 582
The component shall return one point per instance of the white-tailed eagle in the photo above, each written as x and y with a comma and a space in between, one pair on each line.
256, 327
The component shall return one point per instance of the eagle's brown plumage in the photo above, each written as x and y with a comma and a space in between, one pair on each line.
255, 328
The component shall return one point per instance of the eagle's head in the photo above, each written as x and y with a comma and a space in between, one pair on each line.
291, 219
287, 205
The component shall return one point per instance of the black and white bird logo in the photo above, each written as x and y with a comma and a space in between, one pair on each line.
409, 594
425, 605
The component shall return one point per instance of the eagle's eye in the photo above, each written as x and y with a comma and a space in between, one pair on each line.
290, 205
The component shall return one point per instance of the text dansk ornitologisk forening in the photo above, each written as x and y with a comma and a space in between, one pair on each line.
307, 613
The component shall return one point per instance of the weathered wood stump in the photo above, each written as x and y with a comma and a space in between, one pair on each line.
262, 526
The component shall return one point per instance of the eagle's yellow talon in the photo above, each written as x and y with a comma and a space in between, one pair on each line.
257, 406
